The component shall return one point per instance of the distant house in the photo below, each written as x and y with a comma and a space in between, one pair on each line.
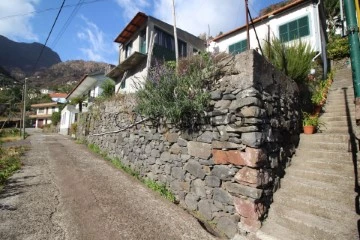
301, 19
134, 47
58, 97
68, 117
45, 91
43, 113
88, 88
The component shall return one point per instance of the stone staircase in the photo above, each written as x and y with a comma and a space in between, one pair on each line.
317, 197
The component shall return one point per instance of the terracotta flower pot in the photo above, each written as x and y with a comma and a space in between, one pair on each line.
309, 129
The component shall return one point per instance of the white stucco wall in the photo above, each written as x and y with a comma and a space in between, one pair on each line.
67, 118
310, 10
133, 82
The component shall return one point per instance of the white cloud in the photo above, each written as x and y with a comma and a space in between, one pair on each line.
18, 27
131, 7
96, 45
195, 16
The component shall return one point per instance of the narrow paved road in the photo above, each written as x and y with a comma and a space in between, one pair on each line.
64, 191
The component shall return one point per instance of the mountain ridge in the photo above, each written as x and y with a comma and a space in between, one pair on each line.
24, 56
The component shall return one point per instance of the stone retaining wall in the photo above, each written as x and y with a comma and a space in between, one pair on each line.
227, 170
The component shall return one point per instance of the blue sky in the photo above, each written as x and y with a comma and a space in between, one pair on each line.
96, 23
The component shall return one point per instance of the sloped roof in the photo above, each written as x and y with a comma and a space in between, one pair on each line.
139, 19
58, 95
85, 83
39, 105
258, 19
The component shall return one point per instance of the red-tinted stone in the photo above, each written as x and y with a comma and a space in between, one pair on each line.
227, 157
235, 157
253, 156
249, 209
247, 176
249, 225
220, 157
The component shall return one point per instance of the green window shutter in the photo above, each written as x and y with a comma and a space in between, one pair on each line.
294, 29
283, 32
238, 47
304, 26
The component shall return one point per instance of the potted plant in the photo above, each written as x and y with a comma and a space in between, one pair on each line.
310, 123
318, 97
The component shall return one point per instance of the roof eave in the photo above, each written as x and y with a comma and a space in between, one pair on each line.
256, 20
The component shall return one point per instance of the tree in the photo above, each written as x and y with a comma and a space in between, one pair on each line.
78, 100
108, 87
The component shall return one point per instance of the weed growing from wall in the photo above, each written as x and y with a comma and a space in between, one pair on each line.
180, 97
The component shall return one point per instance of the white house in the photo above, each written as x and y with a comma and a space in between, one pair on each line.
134, 42
68, 117
301, 19
43, 113
89, 87
58, 97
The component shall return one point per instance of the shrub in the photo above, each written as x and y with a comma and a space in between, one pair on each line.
55, 118
294, 59
73, 128
180, 97
338, 47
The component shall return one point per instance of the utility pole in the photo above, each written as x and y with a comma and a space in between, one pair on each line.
175, 37
353, 37
24, 109
247, 24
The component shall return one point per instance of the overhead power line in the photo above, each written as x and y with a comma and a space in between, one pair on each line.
48, 9
52, 27
67, 23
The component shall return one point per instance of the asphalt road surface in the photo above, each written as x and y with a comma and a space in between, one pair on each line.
63, 191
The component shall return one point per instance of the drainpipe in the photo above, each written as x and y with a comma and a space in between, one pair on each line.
342, 17
352, 31
319, 33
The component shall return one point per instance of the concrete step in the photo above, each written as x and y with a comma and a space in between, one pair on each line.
295, 187
339, 146
273, 231
322, 208
323, 137
333, 155
338, 114
343, 118
311, 226
328, 128
340, 177
323, 164
334, 123
345, 111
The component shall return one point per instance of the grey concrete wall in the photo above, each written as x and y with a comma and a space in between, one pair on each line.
228, 169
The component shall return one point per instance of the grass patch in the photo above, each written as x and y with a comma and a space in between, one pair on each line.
10, 135
116, 162
9, 162
160, 188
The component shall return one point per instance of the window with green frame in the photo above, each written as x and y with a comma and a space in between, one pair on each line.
294, 29
238, 47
